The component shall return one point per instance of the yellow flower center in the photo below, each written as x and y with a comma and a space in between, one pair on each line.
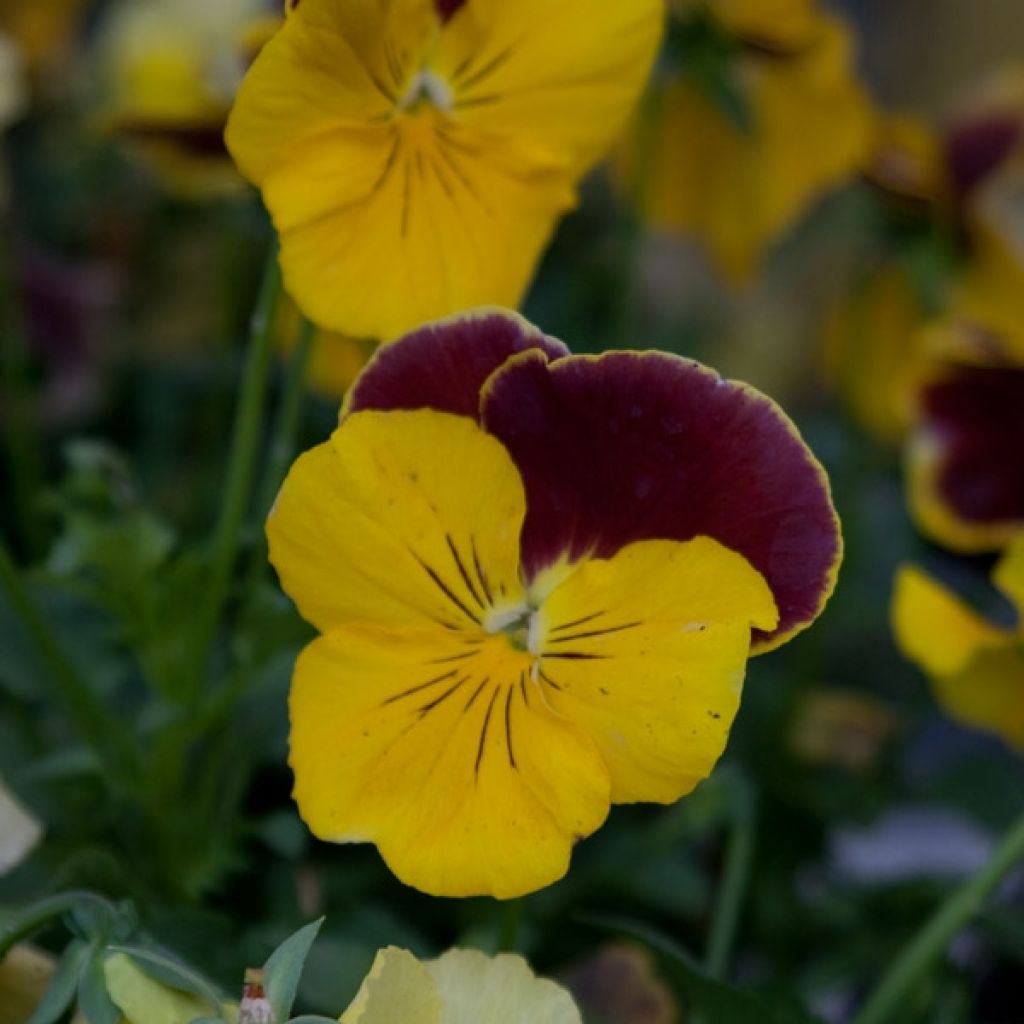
520, 624
427, 89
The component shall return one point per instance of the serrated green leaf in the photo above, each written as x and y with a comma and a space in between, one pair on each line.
94, 1002
61, 990
283, 969
172, 973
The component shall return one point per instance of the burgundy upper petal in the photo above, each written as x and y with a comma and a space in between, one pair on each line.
444, 365
976, 146
446, 8
630, 446
976, 415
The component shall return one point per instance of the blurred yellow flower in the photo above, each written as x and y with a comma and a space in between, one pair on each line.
459, 987
42, 29
976, 669
144, 1000
172, 68
416, 155
841, 728
694, 168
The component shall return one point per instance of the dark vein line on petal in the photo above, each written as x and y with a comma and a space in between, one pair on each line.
492, 65
577, 622
508, 727
483, 734
446, 590
406, 199
453, 657
389, 166
522, 688
574, 656
462, 571
422, 686
476, 693
594, 632
444, 696
484, 100
480, 574
547, 679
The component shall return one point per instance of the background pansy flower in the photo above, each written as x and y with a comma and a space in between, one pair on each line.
19, 831
976, 669
736, 162
535, 576
965, 473
13, 83
460, 986
416, 155
172, 68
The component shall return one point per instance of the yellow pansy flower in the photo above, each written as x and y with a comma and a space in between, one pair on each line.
693, 168
41, 30
462, 985
416, 154
13, 86
172, 68
976, 669
144, 1000
537, 578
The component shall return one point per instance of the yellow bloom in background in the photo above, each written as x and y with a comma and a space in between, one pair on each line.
172, 68
42, 29
416, 156
461, 987
144, 1000
692, 167
976, 669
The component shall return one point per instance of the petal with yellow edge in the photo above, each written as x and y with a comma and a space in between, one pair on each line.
398, 988
442, 750
647, 650
402, 519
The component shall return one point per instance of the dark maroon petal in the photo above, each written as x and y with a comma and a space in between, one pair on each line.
631, 446
446, 8
444, 365
976, 416
977, 145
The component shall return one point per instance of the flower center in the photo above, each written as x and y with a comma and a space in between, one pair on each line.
427, 88
520, 624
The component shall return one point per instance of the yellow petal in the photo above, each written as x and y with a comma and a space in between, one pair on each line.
563, 76
498, 990
440, 748
988, 693
397, 989
647, 651
405, 518
934, 628
1009, 576
692, 169
786, 23
143, 1000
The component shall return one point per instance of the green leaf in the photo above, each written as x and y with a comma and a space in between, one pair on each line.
713, 999
172, 973
312, 1018
63, 985
283, 969
94, 1001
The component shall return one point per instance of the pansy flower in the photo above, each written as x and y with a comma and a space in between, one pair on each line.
735, 161
462, 985
13, 83
976, 669
171, 69
538, 578
415, 155
965, 472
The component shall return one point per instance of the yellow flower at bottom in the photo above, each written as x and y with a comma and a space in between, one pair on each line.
461, 986
976, 669
143, 1000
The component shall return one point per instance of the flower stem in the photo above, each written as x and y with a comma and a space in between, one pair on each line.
889, 999
739, 860
241, 466
98, 727
289, 416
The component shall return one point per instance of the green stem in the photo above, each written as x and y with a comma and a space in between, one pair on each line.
289, 417
23, 925
241, 467
22, 450
739, 861
889, 999
512, 918
99, 728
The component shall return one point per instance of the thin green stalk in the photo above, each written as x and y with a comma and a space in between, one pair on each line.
19, 926
92, 718
889, 999
512, 918
739, 860
22, 449
289, 417
241, 466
